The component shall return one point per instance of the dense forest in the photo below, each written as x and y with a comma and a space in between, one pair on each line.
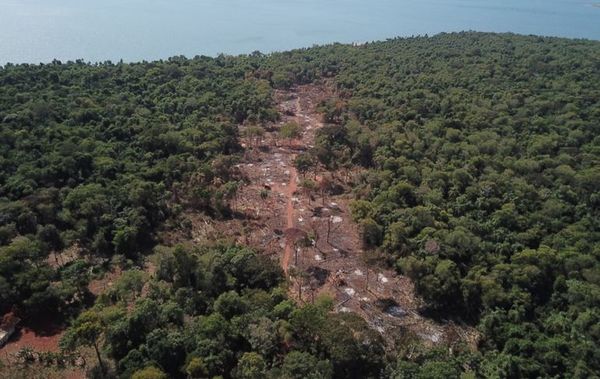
93, 154
475, 162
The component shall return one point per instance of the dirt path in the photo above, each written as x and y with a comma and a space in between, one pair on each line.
292, 187
289, 211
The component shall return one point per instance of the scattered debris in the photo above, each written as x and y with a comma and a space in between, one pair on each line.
395, 311
390, 307
319, 274
434, 337
320, 211
7, 327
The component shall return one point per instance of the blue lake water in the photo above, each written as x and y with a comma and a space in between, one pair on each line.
97, 30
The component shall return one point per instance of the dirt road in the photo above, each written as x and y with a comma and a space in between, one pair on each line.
289, 212
291, 190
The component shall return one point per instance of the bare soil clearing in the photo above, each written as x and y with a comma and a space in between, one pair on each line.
275, 217
46, 336
45, 339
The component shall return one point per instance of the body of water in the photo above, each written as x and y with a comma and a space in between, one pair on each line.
35, 31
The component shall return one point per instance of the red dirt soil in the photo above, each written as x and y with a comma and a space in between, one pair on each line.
41, 341
26, 337
289, 210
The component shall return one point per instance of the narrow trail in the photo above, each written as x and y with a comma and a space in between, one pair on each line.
292, 186
289, 211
